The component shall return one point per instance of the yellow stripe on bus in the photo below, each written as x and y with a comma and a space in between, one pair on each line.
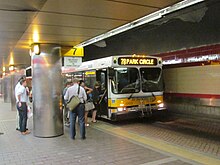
124, 102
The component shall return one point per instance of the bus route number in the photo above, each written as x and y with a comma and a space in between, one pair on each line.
137, 61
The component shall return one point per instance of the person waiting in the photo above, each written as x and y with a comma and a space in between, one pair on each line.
76, 90
22, 97
88, 92
95, 97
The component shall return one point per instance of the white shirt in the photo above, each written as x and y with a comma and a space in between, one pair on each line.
73, 91
18, 85
23, 94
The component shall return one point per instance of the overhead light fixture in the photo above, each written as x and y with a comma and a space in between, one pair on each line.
146, 19
11, 68
36, 35
11, 59
35, 49
30, 52
3, 69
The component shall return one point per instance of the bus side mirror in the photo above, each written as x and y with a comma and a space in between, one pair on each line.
111, 73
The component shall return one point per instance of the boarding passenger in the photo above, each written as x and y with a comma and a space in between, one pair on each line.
22, 97
96, 98
78, 111
16, 91
66, 110
88, 92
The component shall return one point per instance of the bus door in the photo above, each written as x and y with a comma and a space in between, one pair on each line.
101, 77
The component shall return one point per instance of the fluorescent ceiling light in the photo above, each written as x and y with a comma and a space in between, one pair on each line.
146, 19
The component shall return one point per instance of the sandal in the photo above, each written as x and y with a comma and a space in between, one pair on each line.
23, 133
94, 121
27, 132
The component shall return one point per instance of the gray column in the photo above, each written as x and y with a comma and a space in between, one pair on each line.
13, 100
7, 89
1, 86
47, 92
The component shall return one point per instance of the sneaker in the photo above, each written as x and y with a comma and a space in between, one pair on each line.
83, 138
86, 125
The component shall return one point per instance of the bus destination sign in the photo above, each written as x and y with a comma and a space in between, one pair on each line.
137, 61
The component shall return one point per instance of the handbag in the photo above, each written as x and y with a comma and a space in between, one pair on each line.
73, 102
89, 106
29, 113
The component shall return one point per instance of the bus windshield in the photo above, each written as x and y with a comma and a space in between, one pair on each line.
151, 79
126, 80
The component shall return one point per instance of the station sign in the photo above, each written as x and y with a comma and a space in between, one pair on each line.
137, 61
74, 52
72, 61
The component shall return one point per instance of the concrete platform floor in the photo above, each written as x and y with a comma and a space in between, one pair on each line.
105, 144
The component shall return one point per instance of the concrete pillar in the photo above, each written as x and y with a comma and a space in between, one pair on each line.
13, 100
7, 89
47, 92
1, 87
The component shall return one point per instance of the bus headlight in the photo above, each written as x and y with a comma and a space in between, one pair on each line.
161, 105
121, 109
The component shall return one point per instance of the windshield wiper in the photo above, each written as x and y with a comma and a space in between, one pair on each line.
153, 96
132, 93
130, 96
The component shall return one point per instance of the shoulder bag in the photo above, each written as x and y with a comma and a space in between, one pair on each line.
74, 101
89, 106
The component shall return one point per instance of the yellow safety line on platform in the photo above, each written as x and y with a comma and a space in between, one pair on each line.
179, 151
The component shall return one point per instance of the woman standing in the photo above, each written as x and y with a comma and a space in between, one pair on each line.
88, 92
95, 98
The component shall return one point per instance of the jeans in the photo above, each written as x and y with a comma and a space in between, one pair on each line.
80, 112
22, 116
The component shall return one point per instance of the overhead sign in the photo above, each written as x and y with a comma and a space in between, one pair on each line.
72, 61
75, 52
136, 61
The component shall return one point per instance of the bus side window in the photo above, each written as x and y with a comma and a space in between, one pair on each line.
101, 76
90, 78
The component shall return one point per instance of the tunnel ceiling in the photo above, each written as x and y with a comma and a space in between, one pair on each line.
66, 22
191, 27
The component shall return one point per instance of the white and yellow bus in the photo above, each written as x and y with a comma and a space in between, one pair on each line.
131, 85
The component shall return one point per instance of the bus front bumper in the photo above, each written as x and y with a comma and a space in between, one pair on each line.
124, 115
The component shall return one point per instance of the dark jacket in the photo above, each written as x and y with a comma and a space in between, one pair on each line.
95, 95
